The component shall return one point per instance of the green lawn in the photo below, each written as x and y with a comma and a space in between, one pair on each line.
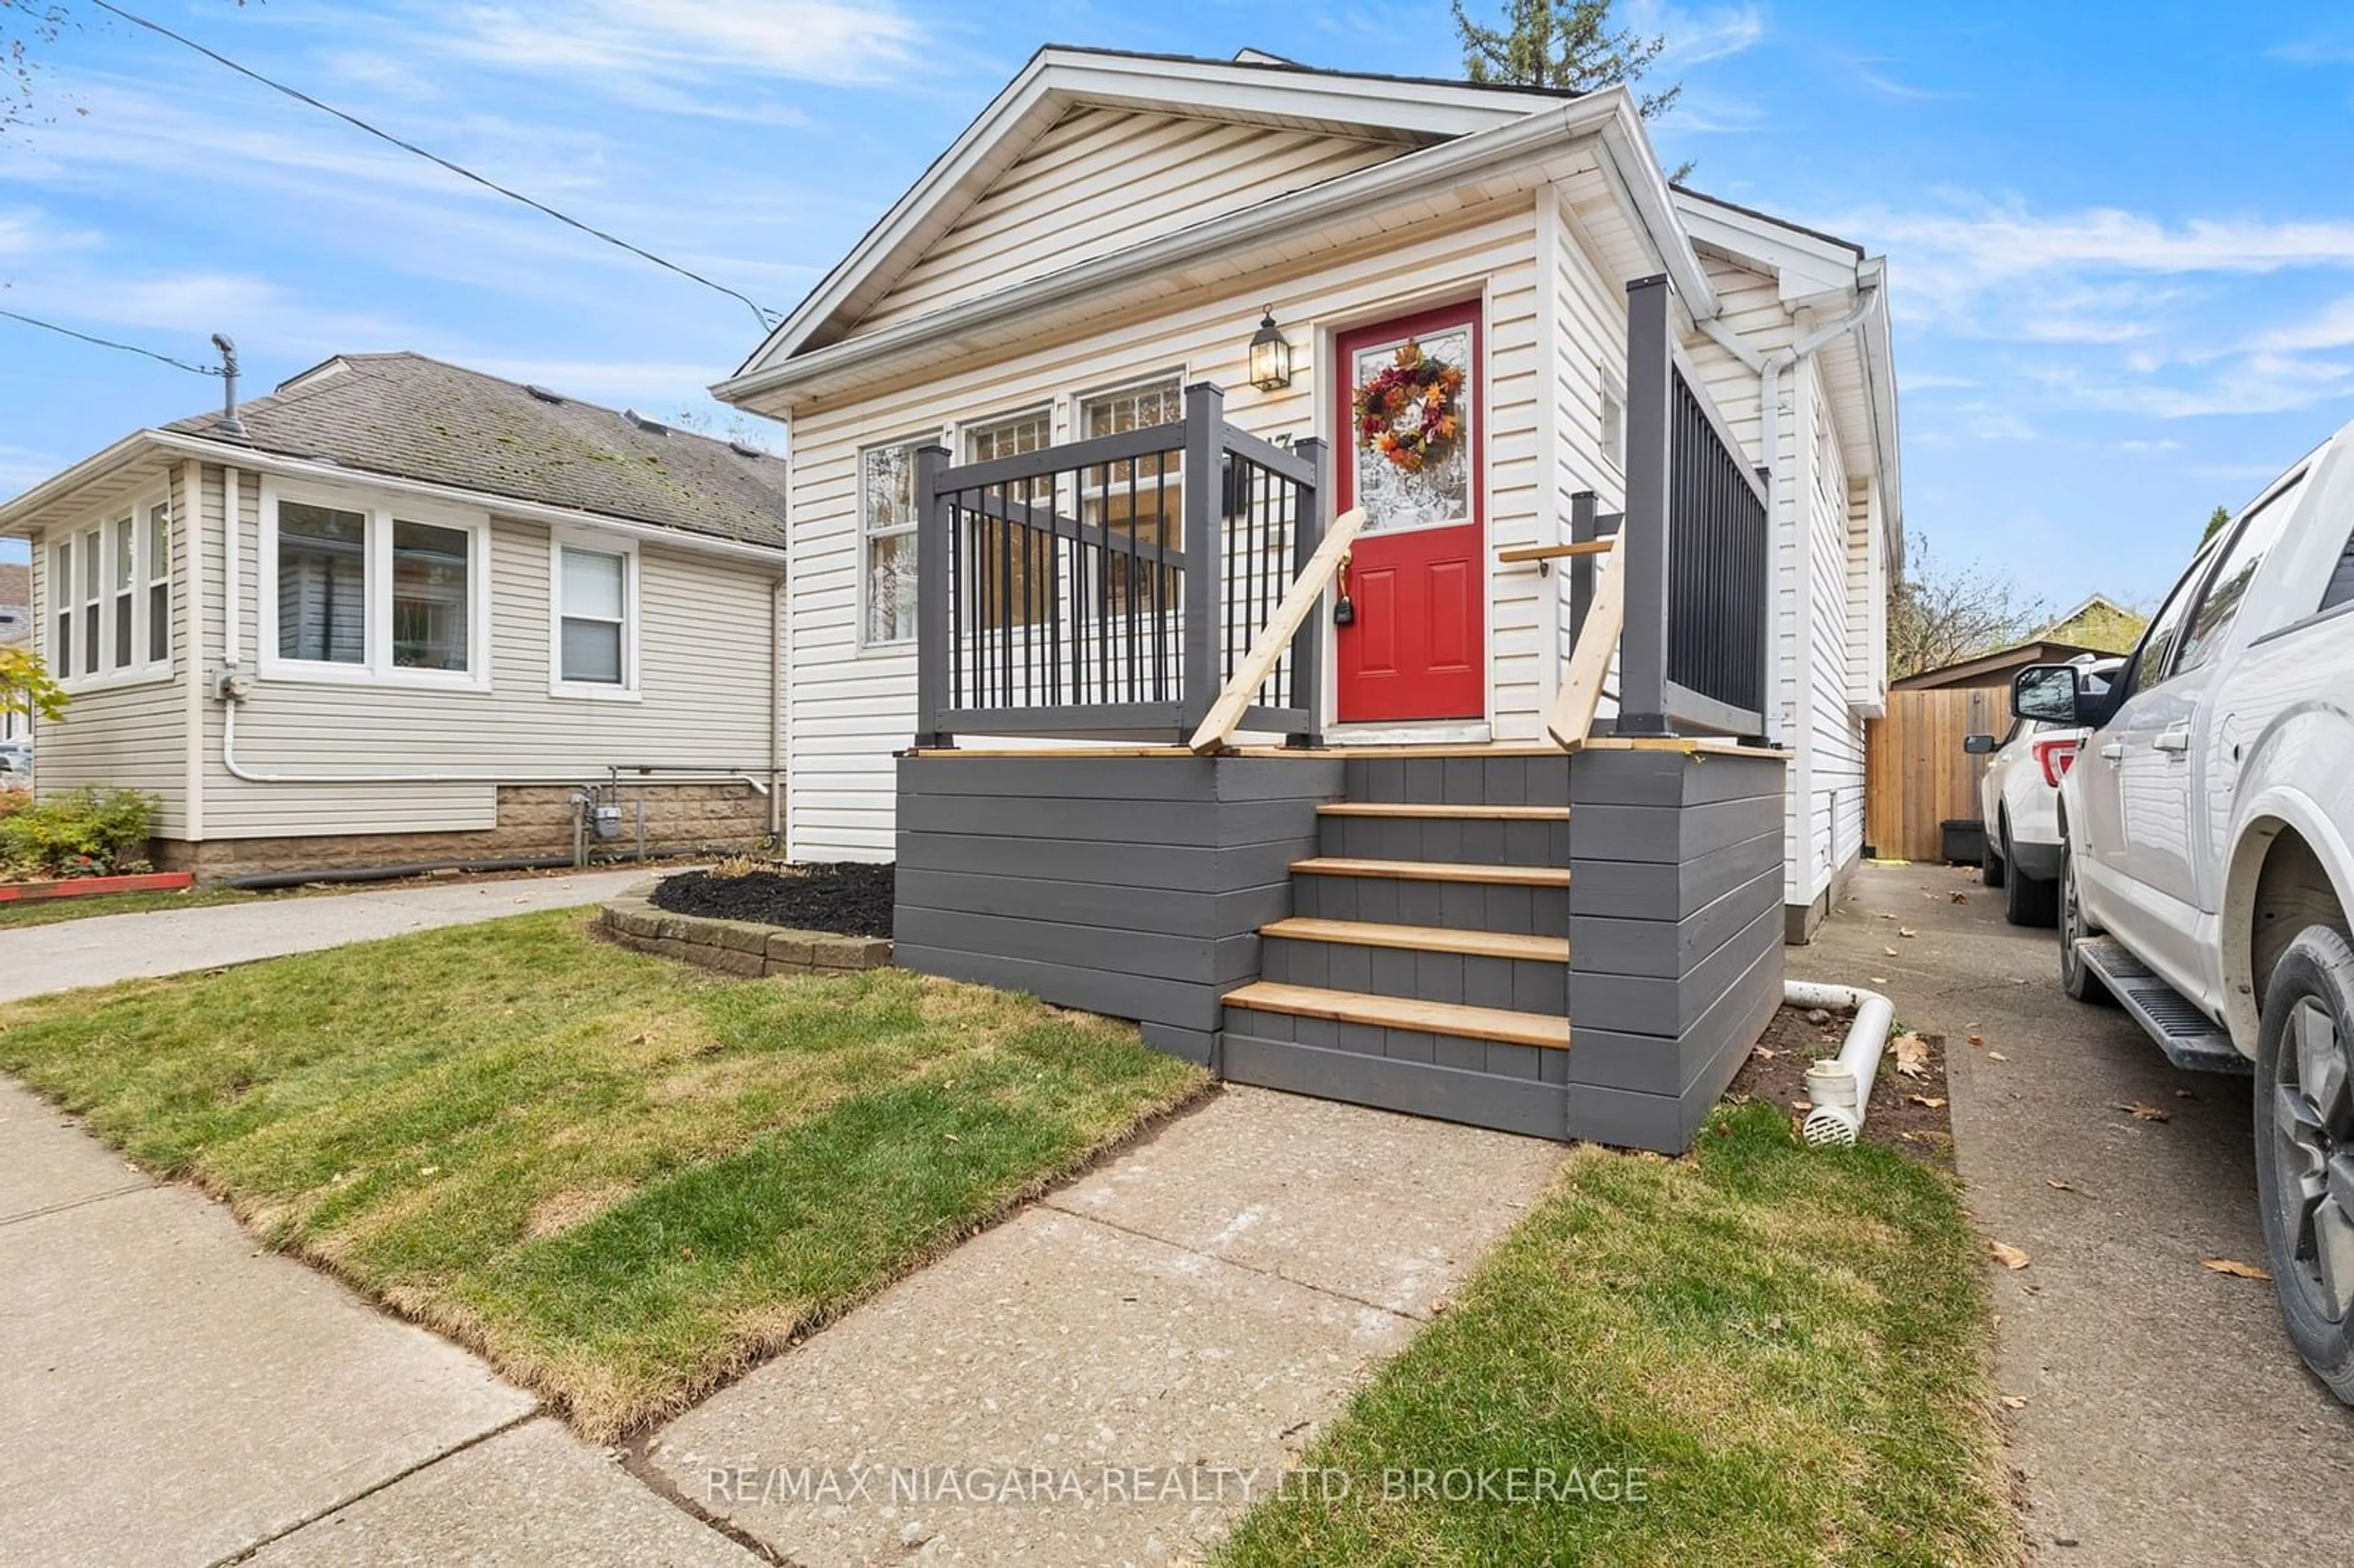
49, 911
1785, 1349
620, 1179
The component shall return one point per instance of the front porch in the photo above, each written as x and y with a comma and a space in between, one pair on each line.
1413, 927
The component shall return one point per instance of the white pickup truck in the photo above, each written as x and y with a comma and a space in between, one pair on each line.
2207, 858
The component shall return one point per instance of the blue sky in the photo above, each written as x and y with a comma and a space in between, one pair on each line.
2122, 235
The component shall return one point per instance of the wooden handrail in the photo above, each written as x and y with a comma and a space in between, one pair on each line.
1572, 718
1218, 726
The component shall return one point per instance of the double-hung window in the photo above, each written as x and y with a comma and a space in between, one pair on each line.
109, 589
1139, 499
1012, 566
886, 529
593, 645
358, 590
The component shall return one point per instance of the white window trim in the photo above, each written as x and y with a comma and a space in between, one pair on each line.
377, 668
1613, 453
71, 597
559, 541
860, 537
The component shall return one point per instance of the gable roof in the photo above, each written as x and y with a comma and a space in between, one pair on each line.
1414, 111
409, 417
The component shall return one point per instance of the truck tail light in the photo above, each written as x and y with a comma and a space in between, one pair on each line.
2055, 758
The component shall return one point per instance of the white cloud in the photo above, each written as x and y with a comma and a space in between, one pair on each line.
623, 47
1891, 86
1696, 37
2332, 328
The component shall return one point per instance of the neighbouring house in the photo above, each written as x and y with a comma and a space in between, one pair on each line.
2100, 624
400, 613
1995, 669
1561, 719
15, 631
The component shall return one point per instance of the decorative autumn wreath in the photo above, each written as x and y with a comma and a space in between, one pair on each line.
1411, 412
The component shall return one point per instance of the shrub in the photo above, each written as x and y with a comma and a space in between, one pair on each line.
84, 832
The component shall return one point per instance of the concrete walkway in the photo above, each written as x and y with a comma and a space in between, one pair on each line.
108, 948
1140, 1351
2167, 1418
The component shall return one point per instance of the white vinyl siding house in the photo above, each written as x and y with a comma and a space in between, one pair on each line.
1185, 200
430, 669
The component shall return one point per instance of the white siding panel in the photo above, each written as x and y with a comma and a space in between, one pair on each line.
1103, 179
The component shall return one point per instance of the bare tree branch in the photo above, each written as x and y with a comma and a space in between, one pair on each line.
1939, 615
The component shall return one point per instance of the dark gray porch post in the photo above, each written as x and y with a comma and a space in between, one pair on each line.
1308, 644
1581, 567
1769, 701
932, 589
1650, 380
1204, 494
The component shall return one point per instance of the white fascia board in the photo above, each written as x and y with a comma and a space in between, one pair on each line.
1057, 79
229, 454
14, 513
1609, 114
1805, 266
1632, 167
1880, 371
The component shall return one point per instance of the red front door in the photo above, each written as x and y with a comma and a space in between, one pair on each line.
1409, 453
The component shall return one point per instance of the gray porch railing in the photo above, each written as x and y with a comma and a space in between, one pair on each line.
1697, 546
1106, 590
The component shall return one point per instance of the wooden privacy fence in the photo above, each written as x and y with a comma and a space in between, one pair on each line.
1917, 777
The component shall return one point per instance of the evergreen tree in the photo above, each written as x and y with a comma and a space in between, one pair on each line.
1566, 44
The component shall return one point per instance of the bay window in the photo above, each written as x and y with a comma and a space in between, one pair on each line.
395, 594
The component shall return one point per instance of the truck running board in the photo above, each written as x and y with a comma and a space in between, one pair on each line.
2186, 1035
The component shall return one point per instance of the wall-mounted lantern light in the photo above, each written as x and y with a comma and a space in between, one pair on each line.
1271, 355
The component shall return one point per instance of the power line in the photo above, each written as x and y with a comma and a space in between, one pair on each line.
108, 342
768, 318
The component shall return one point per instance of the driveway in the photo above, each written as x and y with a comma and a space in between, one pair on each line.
2167, 1420
108, 948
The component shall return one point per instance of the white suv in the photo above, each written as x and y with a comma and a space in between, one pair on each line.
2207, 864
2018, 802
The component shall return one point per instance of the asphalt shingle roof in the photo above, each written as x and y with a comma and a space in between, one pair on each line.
413, 417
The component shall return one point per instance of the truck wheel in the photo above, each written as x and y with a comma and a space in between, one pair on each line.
2305, 1148
2028, 900
1990, 867
2076, 976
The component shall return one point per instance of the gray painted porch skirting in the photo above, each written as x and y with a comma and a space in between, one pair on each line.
1136, 887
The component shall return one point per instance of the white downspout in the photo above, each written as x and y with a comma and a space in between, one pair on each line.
776, 714
1839, 1088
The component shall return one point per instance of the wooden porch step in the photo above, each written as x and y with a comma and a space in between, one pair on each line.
1399, 1012
1423, 939
1444, 813
1435, 871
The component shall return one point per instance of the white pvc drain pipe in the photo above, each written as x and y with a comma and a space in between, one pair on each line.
1840, 1088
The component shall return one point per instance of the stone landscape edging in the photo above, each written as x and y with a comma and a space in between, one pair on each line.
743, 948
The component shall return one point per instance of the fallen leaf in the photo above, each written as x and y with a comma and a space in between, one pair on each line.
2057, 1185
2233, 1267
952, 1138
1911, 1055
2184, 1095
2145, 1113
2010, 1256
1879, 979
1977, 1039
429, 1170
1961, 898
1906, 931
2012, 1401
1934, 1140
1997, 1056
1802, 1104
1935, 1102
1889, 951
1766, 1052
1886, 916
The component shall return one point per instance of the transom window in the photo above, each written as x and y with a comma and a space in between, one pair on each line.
358, 591
109, 594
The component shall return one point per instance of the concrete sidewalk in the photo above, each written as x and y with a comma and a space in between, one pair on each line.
2167, 1418
1200, 1308
176, 1396
108, 948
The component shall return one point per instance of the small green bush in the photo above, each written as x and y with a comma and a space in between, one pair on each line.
84, 832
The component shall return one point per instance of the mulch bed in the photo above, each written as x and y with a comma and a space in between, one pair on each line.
852, 897
1896, 1115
